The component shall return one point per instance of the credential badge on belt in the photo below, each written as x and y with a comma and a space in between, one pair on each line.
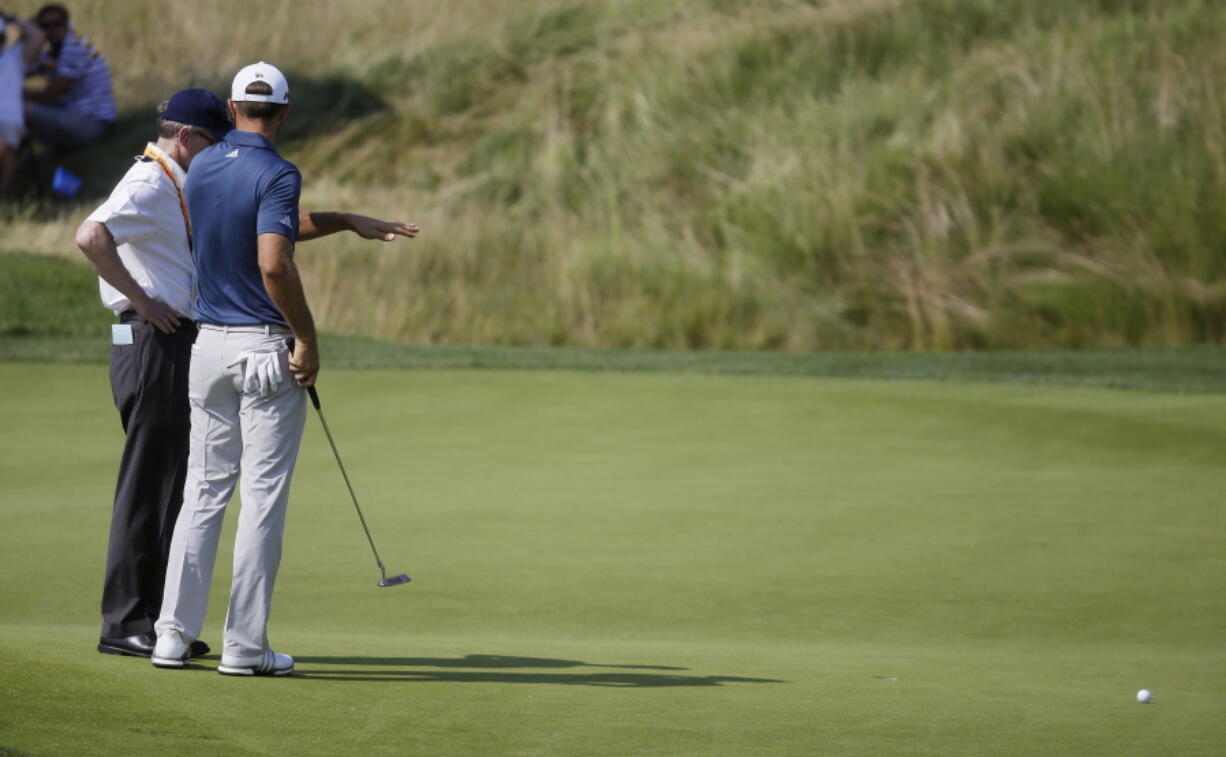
121, 333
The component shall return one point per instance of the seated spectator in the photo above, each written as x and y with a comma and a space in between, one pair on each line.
77, 105
13, 61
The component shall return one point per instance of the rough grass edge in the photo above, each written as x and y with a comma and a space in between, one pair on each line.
1176, 369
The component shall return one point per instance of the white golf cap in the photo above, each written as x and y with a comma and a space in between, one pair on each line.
260, 72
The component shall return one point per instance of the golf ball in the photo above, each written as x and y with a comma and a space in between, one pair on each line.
1143, 696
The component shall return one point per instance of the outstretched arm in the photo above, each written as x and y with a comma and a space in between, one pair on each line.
316, 225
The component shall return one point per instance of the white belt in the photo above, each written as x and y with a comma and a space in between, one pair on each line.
268, 329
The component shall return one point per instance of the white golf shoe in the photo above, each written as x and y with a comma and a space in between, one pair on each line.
268, 664
170, 651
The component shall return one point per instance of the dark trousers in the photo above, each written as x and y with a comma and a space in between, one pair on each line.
149, 384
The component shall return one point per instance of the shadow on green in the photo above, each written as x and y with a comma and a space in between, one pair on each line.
398, 670
392, 670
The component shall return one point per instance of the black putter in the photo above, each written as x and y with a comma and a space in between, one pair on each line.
394, 580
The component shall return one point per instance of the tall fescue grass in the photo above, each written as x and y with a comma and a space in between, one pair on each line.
916, 174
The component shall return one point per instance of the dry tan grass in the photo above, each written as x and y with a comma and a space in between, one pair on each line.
665, 203
159, 46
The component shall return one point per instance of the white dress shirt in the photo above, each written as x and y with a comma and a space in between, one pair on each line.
146, 219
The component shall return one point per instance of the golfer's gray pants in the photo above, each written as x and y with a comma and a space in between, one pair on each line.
233, 435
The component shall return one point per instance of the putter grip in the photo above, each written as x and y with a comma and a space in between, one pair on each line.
310, 389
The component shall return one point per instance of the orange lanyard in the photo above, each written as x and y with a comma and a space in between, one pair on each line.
187, 223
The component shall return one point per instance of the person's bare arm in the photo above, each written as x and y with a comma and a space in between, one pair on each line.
96, 242
321, 224
281, 281
32, 42
49, 94
32, 37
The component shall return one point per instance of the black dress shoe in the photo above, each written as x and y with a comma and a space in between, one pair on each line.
198, 649
140, 645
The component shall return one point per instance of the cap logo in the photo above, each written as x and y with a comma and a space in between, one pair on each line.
259, 82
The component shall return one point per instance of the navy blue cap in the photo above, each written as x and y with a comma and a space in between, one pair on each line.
199, 107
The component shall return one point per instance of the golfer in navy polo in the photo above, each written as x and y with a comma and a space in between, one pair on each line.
248, 407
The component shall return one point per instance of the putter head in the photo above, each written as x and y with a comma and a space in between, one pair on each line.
395, 580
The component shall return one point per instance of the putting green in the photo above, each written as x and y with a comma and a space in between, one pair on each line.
639, 564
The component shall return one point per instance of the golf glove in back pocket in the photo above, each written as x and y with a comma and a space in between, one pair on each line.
262, 372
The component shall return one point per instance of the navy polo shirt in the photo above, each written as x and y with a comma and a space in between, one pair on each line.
236, 190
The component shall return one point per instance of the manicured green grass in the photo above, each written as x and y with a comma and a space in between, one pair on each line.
45, 297
1178, 369
661, 563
